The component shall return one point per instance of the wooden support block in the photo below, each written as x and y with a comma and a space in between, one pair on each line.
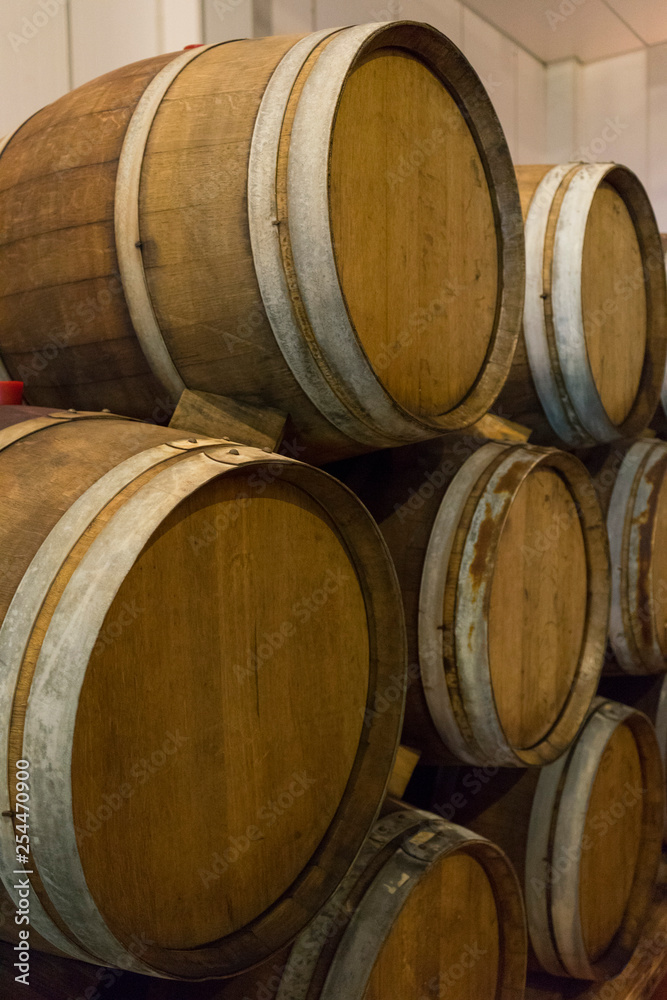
499, 429
405, 763
218, 416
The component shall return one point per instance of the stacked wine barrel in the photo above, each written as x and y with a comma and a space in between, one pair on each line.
158, 685
244, 247
210, 650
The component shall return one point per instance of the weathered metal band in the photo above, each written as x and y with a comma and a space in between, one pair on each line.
569, 831
559, 412
423, 839
311, 362
555, 844
304, 956
538, 873
57, 682
661, 720
379, 909
556, 832
431, 599
617, 517
640, 602
567, 301
307, 368
473, 596
127, 226
489, 743
637, 650
661, 734
16, 432
20, 620
663, 394
312, 245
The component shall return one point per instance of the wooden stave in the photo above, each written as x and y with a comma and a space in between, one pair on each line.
659, 421
404, 426
347, 975
298, 972
537, 390
648, 694
140, 379
58, 934
382, 480
515, 810
627, 478
569, 952
4, 142
10, 635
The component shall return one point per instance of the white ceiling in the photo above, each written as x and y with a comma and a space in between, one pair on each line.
585, 29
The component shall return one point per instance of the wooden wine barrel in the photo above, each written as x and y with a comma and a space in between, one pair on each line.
649, 695
207, 220
659, 422
631, 481
590, 363
584, 834
163, 602
501, 554
429, 909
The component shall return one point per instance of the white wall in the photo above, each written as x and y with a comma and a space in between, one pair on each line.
656, 131
614, 109
612, 114
34, 58
49, 46
515, 80
73, 41
227, 19
563, 85
104, 36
